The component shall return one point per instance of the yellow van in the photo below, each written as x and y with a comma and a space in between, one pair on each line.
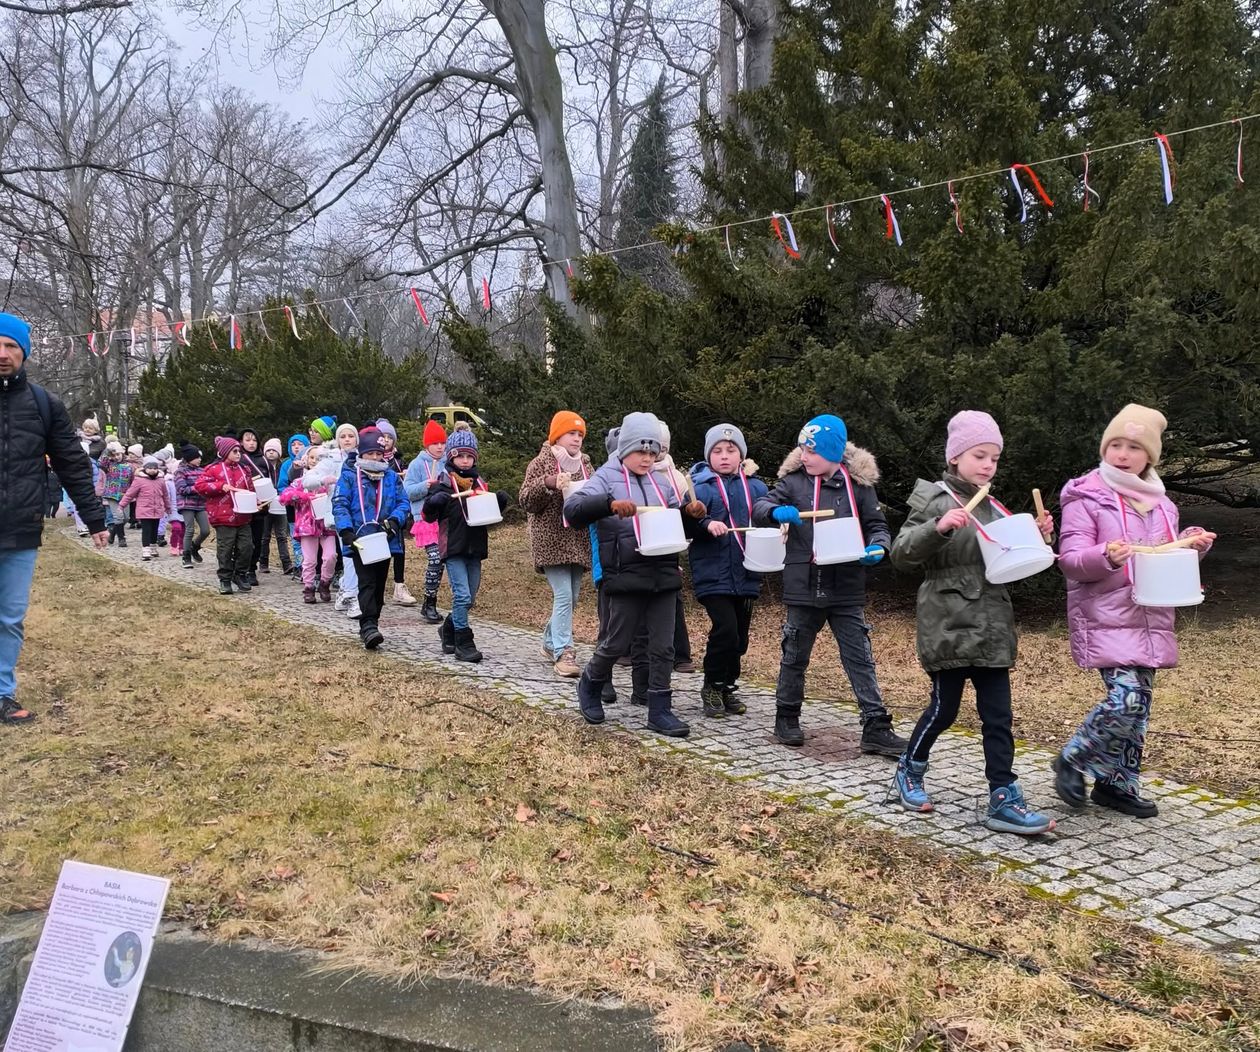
449, 415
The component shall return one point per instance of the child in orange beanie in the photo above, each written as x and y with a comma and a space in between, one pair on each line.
422, 473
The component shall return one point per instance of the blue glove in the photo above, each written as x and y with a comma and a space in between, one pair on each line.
787, 513
874, 553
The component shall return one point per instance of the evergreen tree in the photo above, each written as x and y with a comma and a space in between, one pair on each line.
276, 383
650, 195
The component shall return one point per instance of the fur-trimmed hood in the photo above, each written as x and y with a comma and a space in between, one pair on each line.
861, 464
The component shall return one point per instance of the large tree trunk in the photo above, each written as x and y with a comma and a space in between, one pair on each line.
761, 28
542, 96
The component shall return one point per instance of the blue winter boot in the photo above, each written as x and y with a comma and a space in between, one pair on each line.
589, 692
1009, 813
908, 781
661, 717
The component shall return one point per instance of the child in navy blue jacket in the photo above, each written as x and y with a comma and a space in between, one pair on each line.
369, 499
725, 588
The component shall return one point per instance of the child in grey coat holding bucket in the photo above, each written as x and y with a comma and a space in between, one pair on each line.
642, 589
827, 473
966, 627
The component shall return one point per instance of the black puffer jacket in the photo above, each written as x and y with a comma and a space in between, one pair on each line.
23, 445
840, 584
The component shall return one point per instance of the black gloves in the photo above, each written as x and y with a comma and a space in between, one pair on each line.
347, 537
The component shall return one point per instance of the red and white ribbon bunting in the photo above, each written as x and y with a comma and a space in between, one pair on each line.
729, 254
1167, 163
180, 330
788, 240
235, 342
288, 313
1088, 189
831, 227
1019, 190
953, 200
1238, 161
415, 298
485, 294
892, 229
263, 322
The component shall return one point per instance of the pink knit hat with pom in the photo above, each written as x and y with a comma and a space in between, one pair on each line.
223, 446
970, 428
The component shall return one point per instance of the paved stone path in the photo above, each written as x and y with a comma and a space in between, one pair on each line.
1192, 874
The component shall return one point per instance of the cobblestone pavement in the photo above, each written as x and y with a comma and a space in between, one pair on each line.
1192, 874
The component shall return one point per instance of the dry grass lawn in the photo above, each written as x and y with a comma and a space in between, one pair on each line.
294, 789
1214, 694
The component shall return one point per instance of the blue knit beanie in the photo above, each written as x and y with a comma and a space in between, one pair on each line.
461, 440
17, 330
825, 435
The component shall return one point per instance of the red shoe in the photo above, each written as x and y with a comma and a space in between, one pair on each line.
12, 712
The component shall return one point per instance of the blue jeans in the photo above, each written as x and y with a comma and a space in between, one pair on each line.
17, 569
464, 575
566, 582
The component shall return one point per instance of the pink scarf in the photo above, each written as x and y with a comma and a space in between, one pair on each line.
1143, 491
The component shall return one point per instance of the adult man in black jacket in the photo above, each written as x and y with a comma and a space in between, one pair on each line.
33, 424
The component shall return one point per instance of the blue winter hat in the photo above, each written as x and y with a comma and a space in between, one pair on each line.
17, 330
461, 439
288, 446
825, 435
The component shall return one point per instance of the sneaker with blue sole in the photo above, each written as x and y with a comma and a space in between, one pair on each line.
1009, 813
908, 782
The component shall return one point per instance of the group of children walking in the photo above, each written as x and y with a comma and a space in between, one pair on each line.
340, 484
966, 627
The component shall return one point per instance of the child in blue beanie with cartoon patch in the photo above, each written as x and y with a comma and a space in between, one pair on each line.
825, 472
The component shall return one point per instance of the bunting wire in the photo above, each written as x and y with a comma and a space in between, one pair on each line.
885, 198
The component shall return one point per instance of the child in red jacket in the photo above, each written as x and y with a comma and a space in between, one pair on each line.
232, 536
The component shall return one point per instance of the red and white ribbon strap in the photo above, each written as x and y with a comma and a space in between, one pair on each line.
788, 240
1167, 163
346, 301
651, 475
288, 313
953, 200
108, 343
729, 254
1238, 162
380, 496
1019, 190
1088, 189
91, 342
848, 485
730, 515
831, 226
892, 229
262, 323
485, 293
235, 342
415, 298
568, 268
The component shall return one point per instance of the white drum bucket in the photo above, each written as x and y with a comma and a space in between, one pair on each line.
1016, 551
1167, 578
661, 532
483, 509
838, 541
572, 486
764, 550
244, 501
276, 508
265, 490
321, 507
373, 547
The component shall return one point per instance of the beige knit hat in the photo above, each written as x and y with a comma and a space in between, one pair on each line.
1138, 424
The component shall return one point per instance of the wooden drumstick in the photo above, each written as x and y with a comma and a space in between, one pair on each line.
1041, 508
825, 513
981, 493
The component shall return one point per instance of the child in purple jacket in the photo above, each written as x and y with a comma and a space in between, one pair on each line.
1118, 504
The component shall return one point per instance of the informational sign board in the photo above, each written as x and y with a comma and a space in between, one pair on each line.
90, 962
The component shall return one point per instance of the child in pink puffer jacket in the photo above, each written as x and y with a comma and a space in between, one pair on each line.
312, 533
1118, 504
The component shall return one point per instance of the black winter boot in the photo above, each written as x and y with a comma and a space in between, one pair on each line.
113, 534
466, 646
731, 701
1126, 803
661, 717
1069, 783
711, 697
225, 588
609, 694
590, 698
122, 537
447, 635
370, 634
787, 727
878, 737
430, 611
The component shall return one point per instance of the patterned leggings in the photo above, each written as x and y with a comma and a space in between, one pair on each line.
432, 571
1108, 744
